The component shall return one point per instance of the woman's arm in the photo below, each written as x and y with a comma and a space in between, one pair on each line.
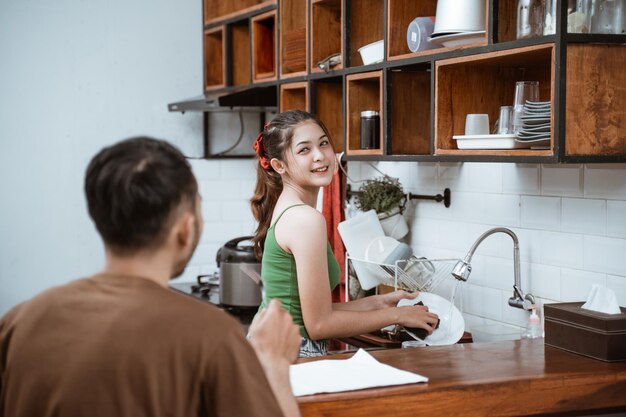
375, 302
302, 231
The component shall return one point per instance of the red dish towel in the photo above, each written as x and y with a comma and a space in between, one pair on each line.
332, 209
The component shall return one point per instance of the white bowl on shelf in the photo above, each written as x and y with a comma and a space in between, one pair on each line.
460, 16
372, 53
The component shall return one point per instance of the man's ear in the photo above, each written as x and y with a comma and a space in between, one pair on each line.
278, 166
185, 229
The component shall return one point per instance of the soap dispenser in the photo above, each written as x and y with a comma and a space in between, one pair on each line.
533, 329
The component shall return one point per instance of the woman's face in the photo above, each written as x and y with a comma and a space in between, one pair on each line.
311, 158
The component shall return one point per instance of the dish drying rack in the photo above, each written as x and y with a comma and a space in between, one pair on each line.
413, 274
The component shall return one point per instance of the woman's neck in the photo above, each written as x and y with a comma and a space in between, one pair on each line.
292, 192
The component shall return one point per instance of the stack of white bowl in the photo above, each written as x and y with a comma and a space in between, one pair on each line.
459, 22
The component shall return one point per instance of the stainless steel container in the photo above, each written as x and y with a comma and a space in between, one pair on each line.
240, 274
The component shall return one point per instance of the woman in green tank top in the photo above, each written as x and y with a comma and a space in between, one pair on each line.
296, 159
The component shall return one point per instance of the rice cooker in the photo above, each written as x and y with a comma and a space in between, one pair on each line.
240, 273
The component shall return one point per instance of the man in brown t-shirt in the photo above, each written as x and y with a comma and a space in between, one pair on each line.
120, 343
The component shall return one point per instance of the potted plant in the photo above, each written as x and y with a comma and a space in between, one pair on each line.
385, 196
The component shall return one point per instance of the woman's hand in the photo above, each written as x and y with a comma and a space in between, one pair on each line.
417, 316
391, 299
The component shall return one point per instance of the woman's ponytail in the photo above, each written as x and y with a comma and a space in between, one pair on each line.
269, 185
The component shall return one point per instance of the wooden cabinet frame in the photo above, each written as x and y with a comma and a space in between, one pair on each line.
421, 95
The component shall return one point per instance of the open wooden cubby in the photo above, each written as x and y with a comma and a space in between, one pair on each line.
409, 115
400, 14
327, 105
326, 31
216, 10
293, 37
240, 52
595, 110
363, 92
481, 84
366, 22
214, 62
294, 96
264, 35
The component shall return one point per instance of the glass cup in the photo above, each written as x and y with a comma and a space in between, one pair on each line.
477, 124
524, 91
413, 344
608, 16
529, 18
504, 124
549, 17
579, 16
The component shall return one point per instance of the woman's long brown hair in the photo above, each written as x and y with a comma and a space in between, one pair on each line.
277, 137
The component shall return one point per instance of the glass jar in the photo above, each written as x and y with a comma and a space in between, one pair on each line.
608, 16
579, 16
549, 17
529, 18
370, 129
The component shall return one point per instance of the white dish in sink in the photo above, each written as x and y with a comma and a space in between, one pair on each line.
451, 322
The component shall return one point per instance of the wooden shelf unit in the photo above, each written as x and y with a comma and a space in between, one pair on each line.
264, 37
294, 96
327, 105
240, 53
366, 25
484, 82
364, 91
294, 46
218, 10
327, 32
215, 68
422, 97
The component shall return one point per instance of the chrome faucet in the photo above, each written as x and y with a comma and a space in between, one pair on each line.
463, 269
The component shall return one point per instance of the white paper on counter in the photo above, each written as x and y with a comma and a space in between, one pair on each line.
358, 372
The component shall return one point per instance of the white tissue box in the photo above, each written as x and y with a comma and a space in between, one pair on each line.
589, 333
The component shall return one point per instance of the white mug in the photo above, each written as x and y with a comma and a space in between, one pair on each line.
477, 124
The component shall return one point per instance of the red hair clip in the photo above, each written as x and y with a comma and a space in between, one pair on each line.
259, 149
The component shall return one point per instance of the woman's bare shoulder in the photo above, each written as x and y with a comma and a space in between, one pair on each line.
300, 221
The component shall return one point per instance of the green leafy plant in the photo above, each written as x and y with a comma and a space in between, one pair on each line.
382, 194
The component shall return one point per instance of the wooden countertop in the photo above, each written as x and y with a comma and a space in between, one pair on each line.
483, 379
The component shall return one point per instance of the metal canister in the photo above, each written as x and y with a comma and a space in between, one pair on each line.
370, 129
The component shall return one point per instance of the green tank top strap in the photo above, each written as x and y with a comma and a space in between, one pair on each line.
283, 212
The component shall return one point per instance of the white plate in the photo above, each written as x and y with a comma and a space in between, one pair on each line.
376, 252
535, 129
488, 142
451, 322
536, 142
457, 39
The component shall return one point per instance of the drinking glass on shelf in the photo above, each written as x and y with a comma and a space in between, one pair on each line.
524, 91
579, 16
549, 17
529, 18
504, 124
608, 16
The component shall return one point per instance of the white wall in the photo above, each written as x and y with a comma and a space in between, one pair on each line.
75, 76
570, 220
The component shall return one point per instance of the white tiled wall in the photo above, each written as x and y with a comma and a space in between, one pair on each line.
571, 222
226, 187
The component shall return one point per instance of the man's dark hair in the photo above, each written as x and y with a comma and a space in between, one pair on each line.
134, 189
